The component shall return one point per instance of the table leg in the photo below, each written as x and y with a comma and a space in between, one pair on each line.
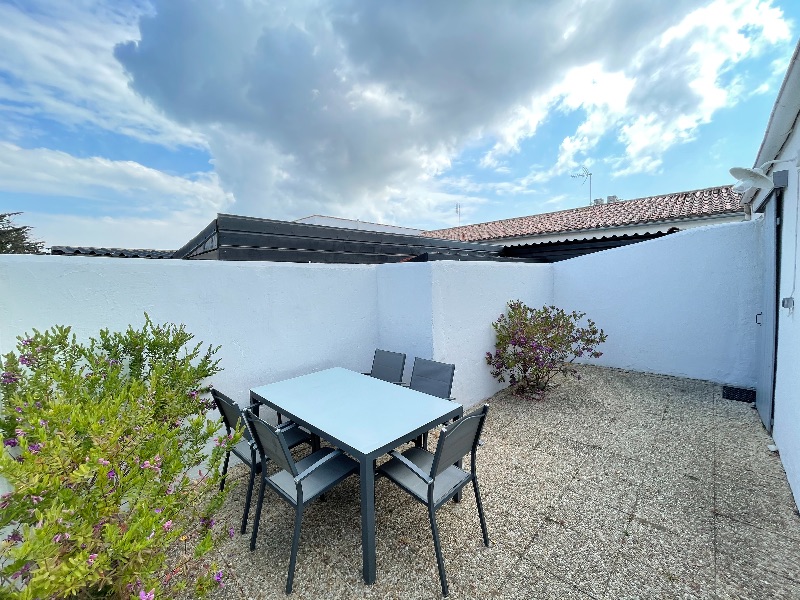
367, 473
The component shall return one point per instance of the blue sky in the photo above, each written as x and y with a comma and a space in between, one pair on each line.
132, 123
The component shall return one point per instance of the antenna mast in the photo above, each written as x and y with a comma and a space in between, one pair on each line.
586, 175
458, 212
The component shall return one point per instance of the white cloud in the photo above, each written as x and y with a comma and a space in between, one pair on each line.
57, 63
362, 109
349, 106
141, 200
51, 172
668, 89
170, 231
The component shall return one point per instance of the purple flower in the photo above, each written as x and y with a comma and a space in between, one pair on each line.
103, 461
158, 510
14, 536
26, 360
35, 448
231, 532
147, 595
8, 377
27, 342
218, 578
111, 474
11, 442
168, 525
91, 559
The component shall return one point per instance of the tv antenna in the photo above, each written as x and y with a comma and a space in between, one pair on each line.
586, 175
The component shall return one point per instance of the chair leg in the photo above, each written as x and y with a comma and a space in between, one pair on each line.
258, 512
224, 471
480, 511
298, 518
438, 547
250, 486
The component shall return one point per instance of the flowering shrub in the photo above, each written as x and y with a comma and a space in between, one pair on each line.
534, 345
113, 493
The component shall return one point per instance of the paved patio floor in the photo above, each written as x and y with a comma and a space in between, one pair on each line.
620, 485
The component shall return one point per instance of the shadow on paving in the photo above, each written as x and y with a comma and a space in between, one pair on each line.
618, 485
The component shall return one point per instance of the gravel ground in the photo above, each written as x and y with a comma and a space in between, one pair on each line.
620, 485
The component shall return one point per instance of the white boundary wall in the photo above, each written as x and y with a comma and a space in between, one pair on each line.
272, 321
467, 298
679, 305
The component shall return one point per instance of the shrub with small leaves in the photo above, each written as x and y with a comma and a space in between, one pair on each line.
105, 453
534, 345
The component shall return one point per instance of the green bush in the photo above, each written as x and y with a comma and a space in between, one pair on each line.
113, 493
534, 345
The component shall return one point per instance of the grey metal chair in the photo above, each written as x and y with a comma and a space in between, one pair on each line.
433, 479
297, 483
431, 377
245, 450
388, 366
434, 378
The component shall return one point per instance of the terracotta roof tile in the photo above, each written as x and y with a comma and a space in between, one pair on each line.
682, 205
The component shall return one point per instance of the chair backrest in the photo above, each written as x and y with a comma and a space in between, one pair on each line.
231, 413
388, 365
431, 377
457, 440
271, 444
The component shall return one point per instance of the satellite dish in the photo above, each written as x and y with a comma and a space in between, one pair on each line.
751, 178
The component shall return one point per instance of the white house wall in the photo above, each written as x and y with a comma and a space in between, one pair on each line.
681, 305
272, 320
786, 428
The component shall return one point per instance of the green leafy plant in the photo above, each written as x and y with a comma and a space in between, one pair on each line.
113, 488
534, 345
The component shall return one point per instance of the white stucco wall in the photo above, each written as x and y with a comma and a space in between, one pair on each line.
273, 320
682, 305
467, 298
405, 317
786, 428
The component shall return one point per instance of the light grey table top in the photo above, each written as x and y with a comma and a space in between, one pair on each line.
356, 412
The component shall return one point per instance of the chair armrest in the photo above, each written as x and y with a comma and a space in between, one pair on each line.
317, 465
412, 467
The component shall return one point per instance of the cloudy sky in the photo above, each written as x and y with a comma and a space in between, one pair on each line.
131, 123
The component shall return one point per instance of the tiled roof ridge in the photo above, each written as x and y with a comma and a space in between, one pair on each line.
713, 200
106, 251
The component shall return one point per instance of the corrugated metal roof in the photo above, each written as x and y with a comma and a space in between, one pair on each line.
115, 252
682, 205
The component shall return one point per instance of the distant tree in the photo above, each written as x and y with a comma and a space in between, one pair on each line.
16, 239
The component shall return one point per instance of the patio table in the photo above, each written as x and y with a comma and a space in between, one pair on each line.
365, 417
